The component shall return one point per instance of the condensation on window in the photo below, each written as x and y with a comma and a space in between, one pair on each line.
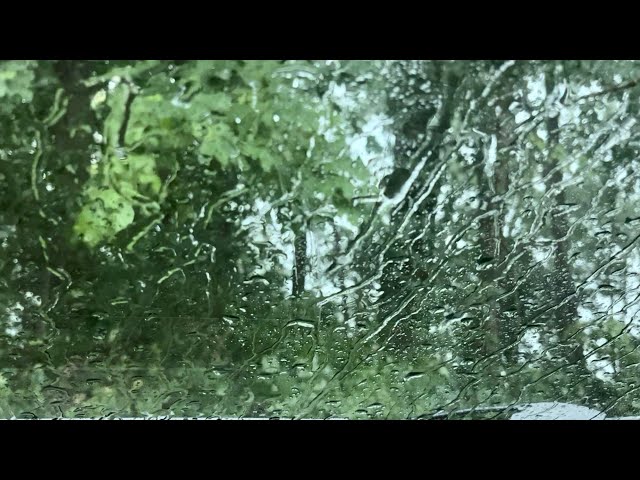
319, 239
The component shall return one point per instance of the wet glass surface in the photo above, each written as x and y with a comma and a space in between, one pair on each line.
319, 239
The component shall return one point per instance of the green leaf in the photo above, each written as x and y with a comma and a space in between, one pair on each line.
219, 142
137, 175
104, 215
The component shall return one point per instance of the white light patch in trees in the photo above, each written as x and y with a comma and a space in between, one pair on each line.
542, 133
569, 115
448, 239
491, 157
375, 126
574, 167
374, 293
584, 90
620, 174
340, 96
601, 111
312, 144
326, 130
602, 302
582, 264
342, 222
267, 237
602, 368
460, 244
585, 315
468, 153
378, 164
622, 133
445, 190
536, 90
538, 185
618, 307
33, 299
320, 243
522, 117
13, 320
358, 147
176, 102
513, 224
468, 200
113, 83
540, 255
530, 343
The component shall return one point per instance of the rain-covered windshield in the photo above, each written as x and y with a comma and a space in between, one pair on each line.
319, 239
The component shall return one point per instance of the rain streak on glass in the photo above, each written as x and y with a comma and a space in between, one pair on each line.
319, 239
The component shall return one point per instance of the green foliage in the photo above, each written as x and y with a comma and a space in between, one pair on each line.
104, 214
16, 78
297, 139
